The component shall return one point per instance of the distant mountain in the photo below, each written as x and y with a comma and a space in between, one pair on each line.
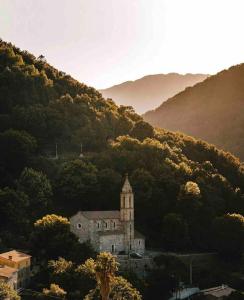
212, 110
150, 91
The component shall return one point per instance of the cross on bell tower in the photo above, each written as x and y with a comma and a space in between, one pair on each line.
127, 214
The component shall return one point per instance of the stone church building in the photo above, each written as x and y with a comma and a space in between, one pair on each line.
111, 231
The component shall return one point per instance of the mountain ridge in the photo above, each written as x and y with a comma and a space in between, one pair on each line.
215, 103
149, 91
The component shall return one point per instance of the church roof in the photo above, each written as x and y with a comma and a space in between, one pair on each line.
127, 187
96, 215
139, 235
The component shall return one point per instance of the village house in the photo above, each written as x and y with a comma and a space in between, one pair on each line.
13, 262
9, 276
111, 231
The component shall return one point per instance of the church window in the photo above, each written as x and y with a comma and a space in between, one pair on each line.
106, 225
113, 248
98, 225
114, 224
139, 242
130, 246
79, 225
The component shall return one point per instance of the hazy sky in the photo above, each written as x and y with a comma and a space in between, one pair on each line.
104, 42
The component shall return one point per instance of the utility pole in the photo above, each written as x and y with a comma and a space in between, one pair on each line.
191, 271
81, 154
56, 151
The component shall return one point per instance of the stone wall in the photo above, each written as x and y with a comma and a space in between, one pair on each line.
113, 243
139, 245
80, 226
139, 266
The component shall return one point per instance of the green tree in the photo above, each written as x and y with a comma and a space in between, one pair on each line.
15, 152
142, 130
77, 184
229, 235
6, 292
55, 291
38, 189
52, 238
175, 232
66, 274
109, 286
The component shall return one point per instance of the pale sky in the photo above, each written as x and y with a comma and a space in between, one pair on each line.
106, 42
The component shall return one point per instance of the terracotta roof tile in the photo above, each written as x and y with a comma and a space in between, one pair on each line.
15, 255
6, 271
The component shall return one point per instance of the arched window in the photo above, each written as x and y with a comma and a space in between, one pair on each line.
139, 242
106, 225
98, 225
114, 224
79, 225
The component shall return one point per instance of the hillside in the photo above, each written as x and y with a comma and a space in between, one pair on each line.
212, 110
170, 172
150, 91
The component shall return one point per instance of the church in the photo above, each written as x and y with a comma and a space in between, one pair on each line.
110, 231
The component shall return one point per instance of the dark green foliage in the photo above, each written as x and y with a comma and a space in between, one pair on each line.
38, 189
41, 106
175, 232
77, 185
16, 149
52, 238
230, 235
165, 278
142, 130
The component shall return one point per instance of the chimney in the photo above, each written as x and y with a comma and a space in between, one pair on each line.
10, 257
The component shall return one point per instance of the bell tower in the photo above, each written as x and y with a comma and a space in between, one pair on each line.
127, 214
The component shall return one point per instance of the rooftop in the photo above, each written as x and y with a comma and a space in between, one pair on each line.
127, 187
139, 235
218, 291
96, 215
14, 255
6, 271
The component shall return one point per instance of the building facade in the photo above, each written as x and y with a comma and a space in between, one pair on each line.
9, 276
111, 231
20, 262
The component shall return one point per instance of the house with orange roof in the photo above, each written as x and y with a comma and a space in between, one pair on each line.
19, 261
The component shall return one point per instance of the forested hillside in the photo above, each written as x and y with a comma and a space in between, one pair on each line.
211, 110
150, 91
176, 179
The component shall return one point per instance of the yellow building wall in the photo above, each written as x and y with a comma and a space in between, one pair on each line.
23, 270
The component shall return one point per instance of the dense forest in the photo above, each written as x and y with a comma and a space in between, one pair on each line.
211, 110
186, 189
